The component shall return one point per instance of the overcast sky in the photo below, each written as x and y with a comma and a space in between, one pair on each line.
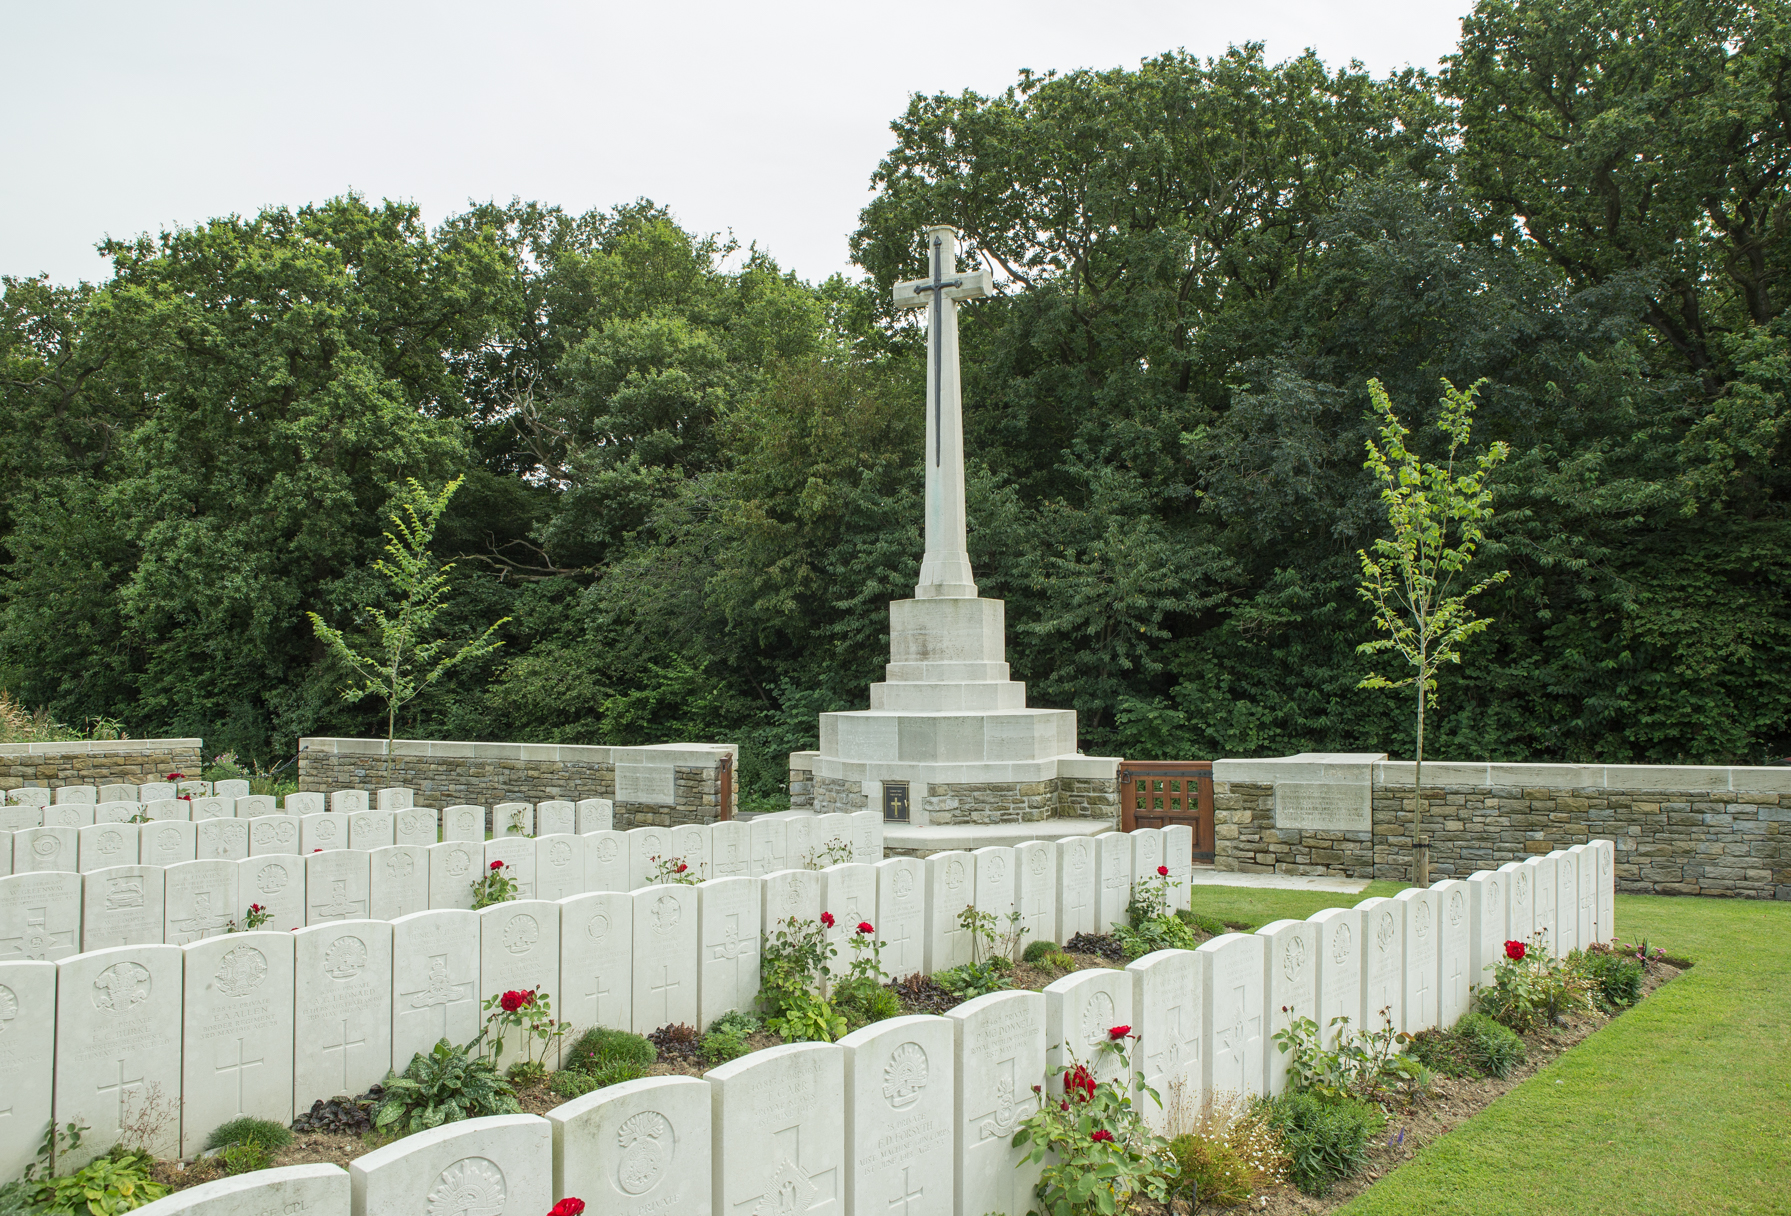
766, 119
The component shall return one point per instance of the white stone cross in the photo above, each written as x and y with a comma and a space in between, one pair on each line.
343, 1043
945, 570
664, 985
906, 1194
123, 1087
596, 995
242, 1066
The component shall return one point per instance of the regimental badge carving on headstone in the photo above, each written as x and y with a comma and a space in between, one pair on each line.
1384, 932
904, 883
997, 867
1423, 919
111, 843
1097, 1019
1036, 863
666, 912
1458, 907
607, 849
1079, 856
345, 958
400, 865
205, 919
1005, 1118
121, 987
905, 1076
954, 874
646, 1143
124, 893
1293, 957
271, 879
559, 854
168, 839
45, 847
325, 830
9, 1007
597, 928
459, 862
521, 933
240, 971
1523, 888
472, 1186
1340, 943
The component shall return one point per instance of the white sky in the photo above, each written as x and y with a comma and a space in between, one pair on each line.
766, 119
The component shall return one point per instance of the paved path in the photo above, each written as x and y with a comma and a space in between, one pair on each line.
1205, 876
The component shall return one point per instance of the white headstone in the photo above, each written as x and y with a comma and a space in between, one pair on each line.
596, 815
250, 806
501, 1164
518, 855
770, 837
235, 788
322, 832
27, 1060
995, 885
849, 892
1585, 888
394, 798
1167, 1007
512, 819
276, 882
597, 961
1544, 872
951, 887
1567, 902
778, 1136
415, 825
435, 981
119, 811
453, 867
1339, 972
227, 839
370, 830
17, 819
343, 1016
519, 949
212, 808
320, 1188
273, 834
832, 839
730, 848
200, 899
902, 915
167, 842
38, 849
177, 810
155, 791
729, 912
1290, 990
1178, 855
397, 881
117, 793
1489, 895
559, 866
69, 815
104, 845
799, 841
5, 851
641, 1148
899, 1116
1454, 957
1035, 890
690, 841
1232, 966
1081, 1010
1423, 912
336, 886
118, 1028
343, 802
556, 817
1606, 923
29, 795
463, 822
1147, 853
122, 906
790, 893
1113, 880
1075, 887
192, 789
1517, 886
665, 957
867, 836
77, 794
307, 802
1382, 929
606, 860
999, 1053
236, 1046
646, 847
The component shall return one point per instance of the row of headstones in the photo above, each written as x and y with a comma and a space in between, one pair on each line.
391, 798
866, 1125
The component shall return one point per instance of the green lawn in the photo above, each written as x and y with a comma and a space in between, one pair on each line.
1683, 1104
1257, 906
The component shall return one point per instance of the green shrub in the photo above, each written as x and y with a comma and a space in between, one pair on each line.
1326, 1139
1038, 952
1212, 926
1616, 979
1534, 990
247, 1129
1212, 1170
1491, 1047
1442, 1051
969, 980
247, 1157
117, 1182
727, 1037
862, 1002
600, 1047
570, 1084
445, 1086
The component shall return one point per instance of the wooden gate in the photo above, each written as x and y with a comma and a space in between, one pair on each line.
1159, 793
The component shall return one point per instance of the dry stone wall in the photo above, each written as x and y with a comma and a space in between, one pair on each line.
106, 762
972, 803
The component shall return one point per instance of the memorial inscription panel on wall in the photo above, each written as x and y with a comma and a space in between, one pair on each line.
1322, 806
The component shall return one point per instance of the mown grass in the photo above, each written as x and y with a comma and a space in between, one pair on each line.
1682, 1104
1257, 906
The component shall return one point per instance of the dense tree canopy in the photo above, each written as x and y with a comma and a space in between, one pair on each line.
692, 480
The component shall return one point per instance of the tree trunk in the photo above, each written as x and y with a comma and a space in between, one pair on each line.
1418, 771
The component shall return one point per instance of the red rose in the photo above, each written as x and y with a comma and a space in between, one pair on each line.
1514, 951
1080, 1083
682, 867
317, 850
184, 797
512, 1001
567, 1207
1119, 1032
254, 907
864, 926
1102, 1137
177, 776
497, 865
1162, 871
827, 919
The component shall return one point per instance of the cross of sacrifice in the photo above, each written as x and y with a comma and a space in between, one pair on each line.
941, 294
239, 1067
343, 1043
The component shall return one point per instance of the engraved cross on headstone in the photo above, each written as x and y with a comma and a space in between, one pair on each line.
239, 1067
123, 1087
906, 1193
343, 1043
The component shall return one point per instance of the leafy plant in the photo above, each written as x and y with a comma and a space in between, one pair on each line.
120, 1181
1039, 951
1531, 988
494, 886
255, 917
1491, 1047
529, 1013
1325, 1136
403, 664
1616, 978
246, 1158
835, 852
1150, 922
967, 981
1210, 1171
1410, 578
672, 870
1361, 1062
248, 1128
727, 1035
1099, 1153
793, 965
602, 1046
444, 1086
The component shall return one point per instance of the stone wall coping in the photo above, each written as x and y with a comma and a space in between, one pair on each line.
1350, 768
688, 755
84, 747
1762, 779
